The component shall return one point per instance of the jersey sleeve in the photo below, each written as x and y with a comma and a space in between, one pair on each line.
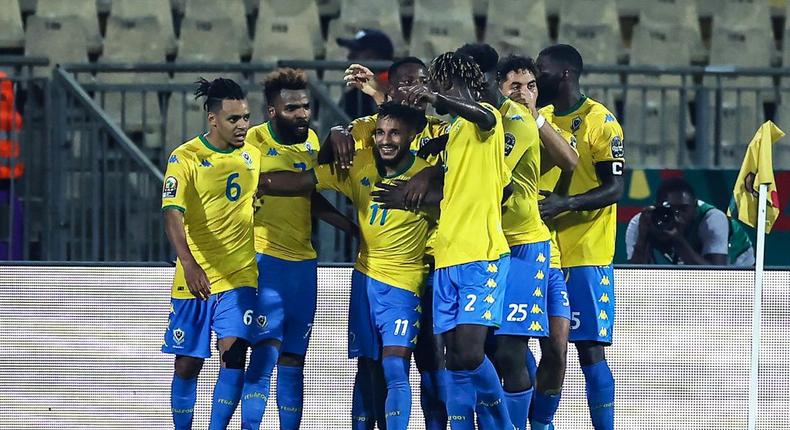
362, 131
631, 234
329, 177
606, 140
713, 232
177, 179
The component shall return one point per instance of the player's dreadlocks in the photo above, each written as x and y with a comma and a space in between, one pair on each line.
216, 91
451, 66
283, 79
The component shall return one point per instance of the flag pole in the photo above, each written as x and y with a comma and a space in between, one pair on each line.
757, 307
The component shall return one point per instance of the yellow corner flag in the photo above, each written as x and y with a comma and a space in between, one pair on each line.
757, 168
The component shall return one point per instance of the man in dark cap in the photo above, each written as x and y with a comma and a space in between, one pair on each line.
366, 45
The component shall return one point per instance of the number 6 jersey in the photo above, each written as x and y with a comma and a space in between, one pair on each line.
215, 190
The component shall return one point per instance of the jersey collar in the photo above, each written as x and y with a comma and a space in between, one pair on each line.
573, 108
214, 148
398, 173
272, 133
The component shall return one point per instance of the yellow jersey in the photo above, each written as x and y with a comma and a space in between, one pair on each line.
215, 190
548, 182
470, 224
393, 241
283, 225
362, 130
587, 238
521, 220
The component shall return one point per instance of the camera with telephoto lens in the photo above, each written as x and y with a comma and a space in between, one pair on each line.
663, 218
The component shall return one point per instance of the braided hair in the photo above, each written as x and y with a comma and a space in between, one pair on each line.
450, 67
216, 91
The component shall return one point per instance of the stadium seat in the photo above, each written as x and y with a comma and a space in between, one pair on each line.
589, 12
517, 26
62, 40
406, 8
133, 41
595, 43
185, 119
288, 19
481, 7
681, 15
159, 9
210, 10
11, 33
85, 10
707, 7
28, 6
441, 26
743, 14
631, 7
328, 7
205, 40
358, 14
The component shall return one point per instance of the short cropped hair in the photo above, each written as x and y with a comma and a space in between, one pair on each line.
514, 63
566, 55
409, 115
283, 79
672, 185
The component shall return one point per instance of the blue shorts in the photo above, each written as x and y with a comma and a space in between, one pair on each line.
191, 321
525, 294
558, 303
471, 293
287, 294
591, 293
380, 315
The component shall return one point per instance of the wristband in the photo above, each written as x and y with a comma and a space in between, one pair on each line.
540, 120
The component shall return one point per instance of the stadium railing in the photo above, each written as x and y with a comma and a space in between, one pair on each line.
90, 123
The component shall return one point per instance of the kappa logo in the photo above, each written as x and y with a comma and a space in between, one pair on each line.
262, 321
538, 292
517, 118
602, 315
510, 143
487, 315
603, 332
540, 275
536, 309
365, 182
605, 281
617, 147
608, 118
489, 299
178, 336
205, 163
170, 188
491, 283
535, 326
173, 159
272, 152
541, 258
604, 298
576, 124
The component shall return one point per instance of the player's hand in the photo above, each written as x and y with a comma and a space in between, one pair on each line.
433, 146
362, 78
646, 225
197, 281
390, 196
552, 205
416, 188
417, 95
343, 146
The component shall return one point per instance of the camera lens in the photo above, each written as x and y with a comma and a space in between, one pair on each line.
663, 218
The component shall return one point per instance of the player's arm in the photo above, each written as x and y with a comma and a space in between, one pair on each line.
424, 189
471, 111
713, 233
610, 174
556, 150
338, 147
196, 278
362, 78
322, 209
285, 183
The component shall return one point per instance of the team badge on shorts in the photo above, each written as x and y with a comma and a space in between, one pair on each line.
178, 336
170, 187
262, 321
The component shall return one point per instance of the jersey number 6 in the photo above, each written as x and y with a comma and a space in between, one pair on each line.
232, 190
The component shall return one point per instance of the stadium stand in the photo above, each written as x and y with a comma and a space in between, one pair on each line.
158, 9
358, 14
681, 16
517, 26
133, 40
441, 26
280, 30
28, 6
210, 10
84, 10
11, 33
61, 39
328, 7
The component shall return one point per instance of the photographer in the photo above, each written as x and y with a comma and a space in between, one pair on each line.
680, 229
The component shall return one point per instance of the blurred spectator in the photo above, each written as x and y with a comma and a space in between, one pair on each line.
367, 45
680, 229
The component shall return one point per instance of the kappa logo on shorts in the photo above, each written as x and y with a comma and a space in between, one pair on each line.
605, 281
170, 188
487, 315
262, 321
541, 258
492, 268
489, 299
603, 315
178, 336
491, 283
535, 326
540, 275
603, 332
536, 309
604, 298
538, 292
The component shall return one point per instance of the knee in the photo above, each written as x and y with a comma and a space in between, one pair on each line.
188, 367
555, 350
396, 372
465, 359
236, 355
590, 353
508, 361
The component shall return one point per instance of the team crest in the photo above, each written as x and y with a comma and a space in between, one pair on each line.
309, 148
617, 147
510, 143
262, 321
573, 142
576, 123
170, 187
247, 159
178, 336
